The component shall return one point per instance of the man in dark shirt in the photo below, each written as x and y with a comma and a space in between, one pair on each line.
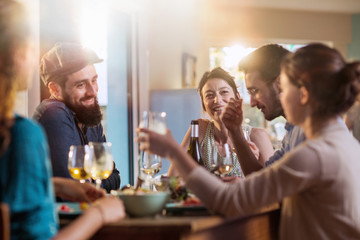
71, 116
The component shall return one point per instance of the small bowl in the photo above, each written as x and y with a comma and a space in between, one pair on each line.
143, 205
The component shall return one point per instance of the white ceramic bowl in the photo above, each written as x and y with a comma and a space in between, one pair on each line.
142, 205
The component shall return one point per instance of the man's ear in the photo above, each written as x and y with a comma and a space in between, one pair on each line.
304, 95
55, 90
276, 85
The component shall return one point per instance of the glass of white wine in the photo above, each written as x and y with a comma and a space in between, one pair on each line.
77, 155
150, 164
99, 163
222, 162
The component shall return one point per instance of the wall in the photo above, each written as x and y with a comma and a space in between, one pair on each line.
22, 105
354, 47
195, 26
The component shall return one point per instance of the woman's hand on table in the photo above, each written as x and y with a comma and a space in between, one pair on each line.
75, 191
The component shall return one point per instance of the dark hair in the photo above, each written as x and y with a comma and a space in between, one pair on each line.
266, 60
332, 83
217, 73
15, 31
60, 79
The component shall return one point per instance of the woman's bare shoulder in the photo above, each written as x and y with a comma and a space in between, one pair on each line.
203, 124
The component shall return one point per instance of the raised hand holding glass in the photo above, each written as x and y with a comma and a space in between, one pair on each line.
150, 164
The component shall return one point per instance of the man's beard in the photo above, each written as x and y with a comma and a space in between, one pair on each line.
273, 107
89, 116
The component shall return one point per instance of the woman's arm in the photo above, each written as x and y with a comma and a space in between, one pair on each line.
166, 146
75, 191
295, 173
106, 210
185, 143
262, 141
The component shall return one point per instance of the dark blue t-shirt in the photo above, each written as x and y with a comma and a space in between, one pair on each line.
60, 124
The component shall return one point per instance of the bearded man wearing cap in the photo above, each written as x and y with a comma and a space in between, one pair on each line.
71, 116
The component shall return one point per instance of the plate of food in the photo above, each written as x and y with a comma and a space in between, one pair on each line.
70, 209
182, 200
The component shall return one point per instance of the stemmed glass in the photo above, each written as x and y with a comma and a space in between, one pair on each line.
150, 164
99, 163
246, 131
77, 155
222, 161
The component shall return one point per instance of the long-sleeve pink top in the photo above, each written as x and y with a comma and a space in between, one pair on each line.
318, 184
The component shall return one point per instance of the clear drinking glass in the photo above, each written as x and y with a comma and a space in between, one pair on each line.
246, 130
222, 161
99, 162
150, 164
77, 155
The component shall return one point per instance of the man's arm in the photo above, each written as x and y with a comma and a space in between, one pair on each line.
61, 134
113, 181
232, 117
248, 162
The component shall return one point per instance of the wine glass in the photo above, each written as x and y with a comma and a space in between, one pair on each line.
77, 155
150, 164
246, 131
222, 161
99, 163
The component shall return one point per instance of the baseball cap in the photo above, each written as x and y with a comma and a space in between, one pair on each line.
65, 58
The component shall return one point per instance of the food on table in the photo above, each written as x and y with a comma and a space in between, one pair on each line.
178, 190
84, 206
65, 208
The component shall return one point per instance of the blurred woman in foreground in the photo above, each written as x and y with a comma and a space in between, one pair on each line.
318, 181
25, 171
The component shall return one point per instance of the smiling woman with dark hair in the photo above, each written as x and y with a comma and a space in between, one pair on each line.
317, 182
216, 88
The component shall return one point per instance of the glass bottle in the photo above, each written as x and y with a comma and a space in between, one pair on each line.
194, 147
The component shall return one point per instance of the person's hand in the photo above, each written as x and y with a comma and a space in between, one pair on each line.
255, 150
75, 191
232, 115
155, 143
111, 209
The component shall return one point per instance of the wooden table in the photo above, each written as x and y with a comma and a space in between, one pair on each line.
158, 227
261, 226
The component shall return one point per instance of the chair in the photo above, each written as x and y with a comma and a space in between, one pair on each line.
4, 222
263, 226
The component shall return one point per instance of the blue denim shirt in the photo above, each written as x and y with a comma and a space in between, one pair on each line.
61, 126
25, 183
293, 137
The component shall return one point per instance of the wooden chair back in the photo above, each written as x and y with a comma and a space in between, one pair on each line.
4, 221
263, 226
